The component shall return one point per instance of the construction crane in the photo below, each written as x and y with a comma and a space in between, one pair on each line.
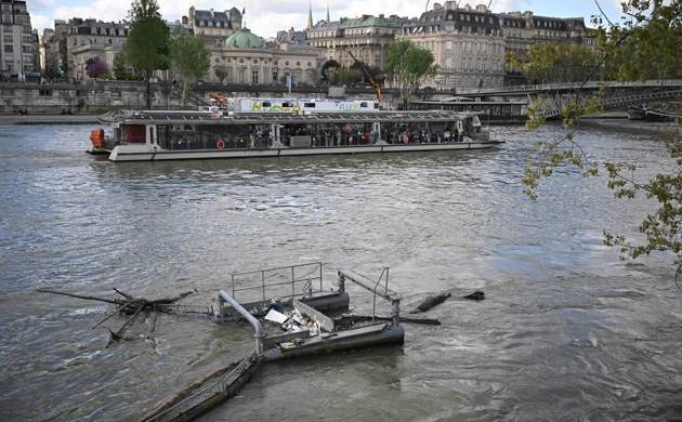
368, 75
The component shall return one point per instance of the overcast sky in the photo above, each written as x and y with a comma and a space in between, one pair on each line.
266, 17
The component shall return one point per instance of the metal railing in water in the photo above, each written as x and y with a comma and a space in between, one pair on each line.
277, 283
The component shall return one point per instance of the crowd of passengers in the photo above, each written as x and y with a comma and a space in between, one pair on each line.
363, 136
258, 137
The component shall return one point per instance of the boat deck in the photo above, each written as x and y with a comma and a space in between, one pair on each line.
205, 118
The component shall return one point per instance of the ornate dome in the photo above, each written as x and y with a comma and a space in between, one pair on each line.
243, 38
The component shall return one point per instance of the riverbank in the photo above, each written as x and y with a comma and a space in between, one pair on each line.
44, 119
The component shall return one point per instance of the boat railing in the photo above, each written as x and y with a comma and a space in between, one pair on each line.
183, 141
379, 288
302, 280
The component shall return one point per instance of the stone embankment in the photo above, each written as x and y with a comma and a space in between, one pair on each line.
47, 119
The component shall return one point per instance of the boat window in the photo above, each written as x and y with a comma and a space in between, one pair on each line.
267, 104
135, 134
363, 105
309, 105
287, 104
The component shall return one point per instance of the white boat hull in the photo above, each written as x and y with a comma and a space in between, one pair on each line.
123, 153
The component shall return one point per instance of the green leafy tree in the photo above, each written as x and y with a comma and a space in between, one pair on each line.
407, 64
148, 45
330, 70
220, 72
190, 58
555, 62
646, 44
122, 69
349, 76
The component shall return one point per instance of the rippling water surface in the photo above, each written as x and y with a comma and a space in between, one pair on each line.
567, 331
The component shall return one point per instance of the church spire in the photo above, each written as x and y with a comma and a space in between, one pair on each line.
310, 16
328, 12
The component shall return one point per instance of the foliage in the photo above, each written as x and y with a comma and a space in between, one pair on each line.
349, 76
407, 64
147, 47
122, 70
330, 70
190, 58
95, 67
555, 62
220, 72
645, 45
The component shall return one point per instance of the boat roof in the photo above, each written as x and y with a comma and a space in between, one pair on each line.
205, 118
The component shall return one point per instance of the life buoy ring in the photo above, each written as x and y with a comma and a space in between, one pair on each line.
220, 144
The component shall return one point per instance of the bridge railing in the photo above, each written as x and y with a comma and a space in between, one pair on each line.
556, 103
568, 86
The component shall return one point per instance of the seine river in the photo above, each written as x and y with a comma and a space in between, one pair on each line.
568, 331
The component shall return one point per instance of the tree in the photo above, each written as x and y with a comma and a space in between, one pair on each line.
148, 45
407, 65
555, 62
330, 70
220, 72
122, 68
646, 44
189, 57
95, 67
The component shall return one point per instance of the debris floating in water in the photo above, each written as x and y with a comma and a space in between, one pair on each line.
477, 295
431, 301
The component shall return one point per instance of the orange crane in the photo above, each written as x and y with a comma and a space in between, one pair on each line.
370, 79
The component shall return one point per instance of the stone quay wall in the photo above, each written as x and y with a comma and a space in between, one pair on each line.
97, 97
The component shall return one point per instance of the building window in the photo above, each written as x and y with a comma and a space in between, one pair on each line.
254, 77
9, 48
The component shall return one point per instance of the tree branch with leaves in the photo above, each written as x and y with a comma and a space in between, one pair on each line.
645, 45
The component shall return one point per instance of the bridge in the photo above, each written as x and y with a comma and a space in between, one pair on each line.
549, 99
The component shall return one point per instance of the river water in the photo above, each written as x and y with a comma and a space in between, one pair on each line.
568, 331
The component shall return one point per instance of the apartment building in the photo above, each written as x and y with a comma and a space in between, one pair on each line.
214, 26
366, 37
74, 42
19, 55
467, 44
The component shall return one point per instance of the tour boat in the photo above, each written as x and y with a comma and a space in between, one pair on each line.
155, 135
